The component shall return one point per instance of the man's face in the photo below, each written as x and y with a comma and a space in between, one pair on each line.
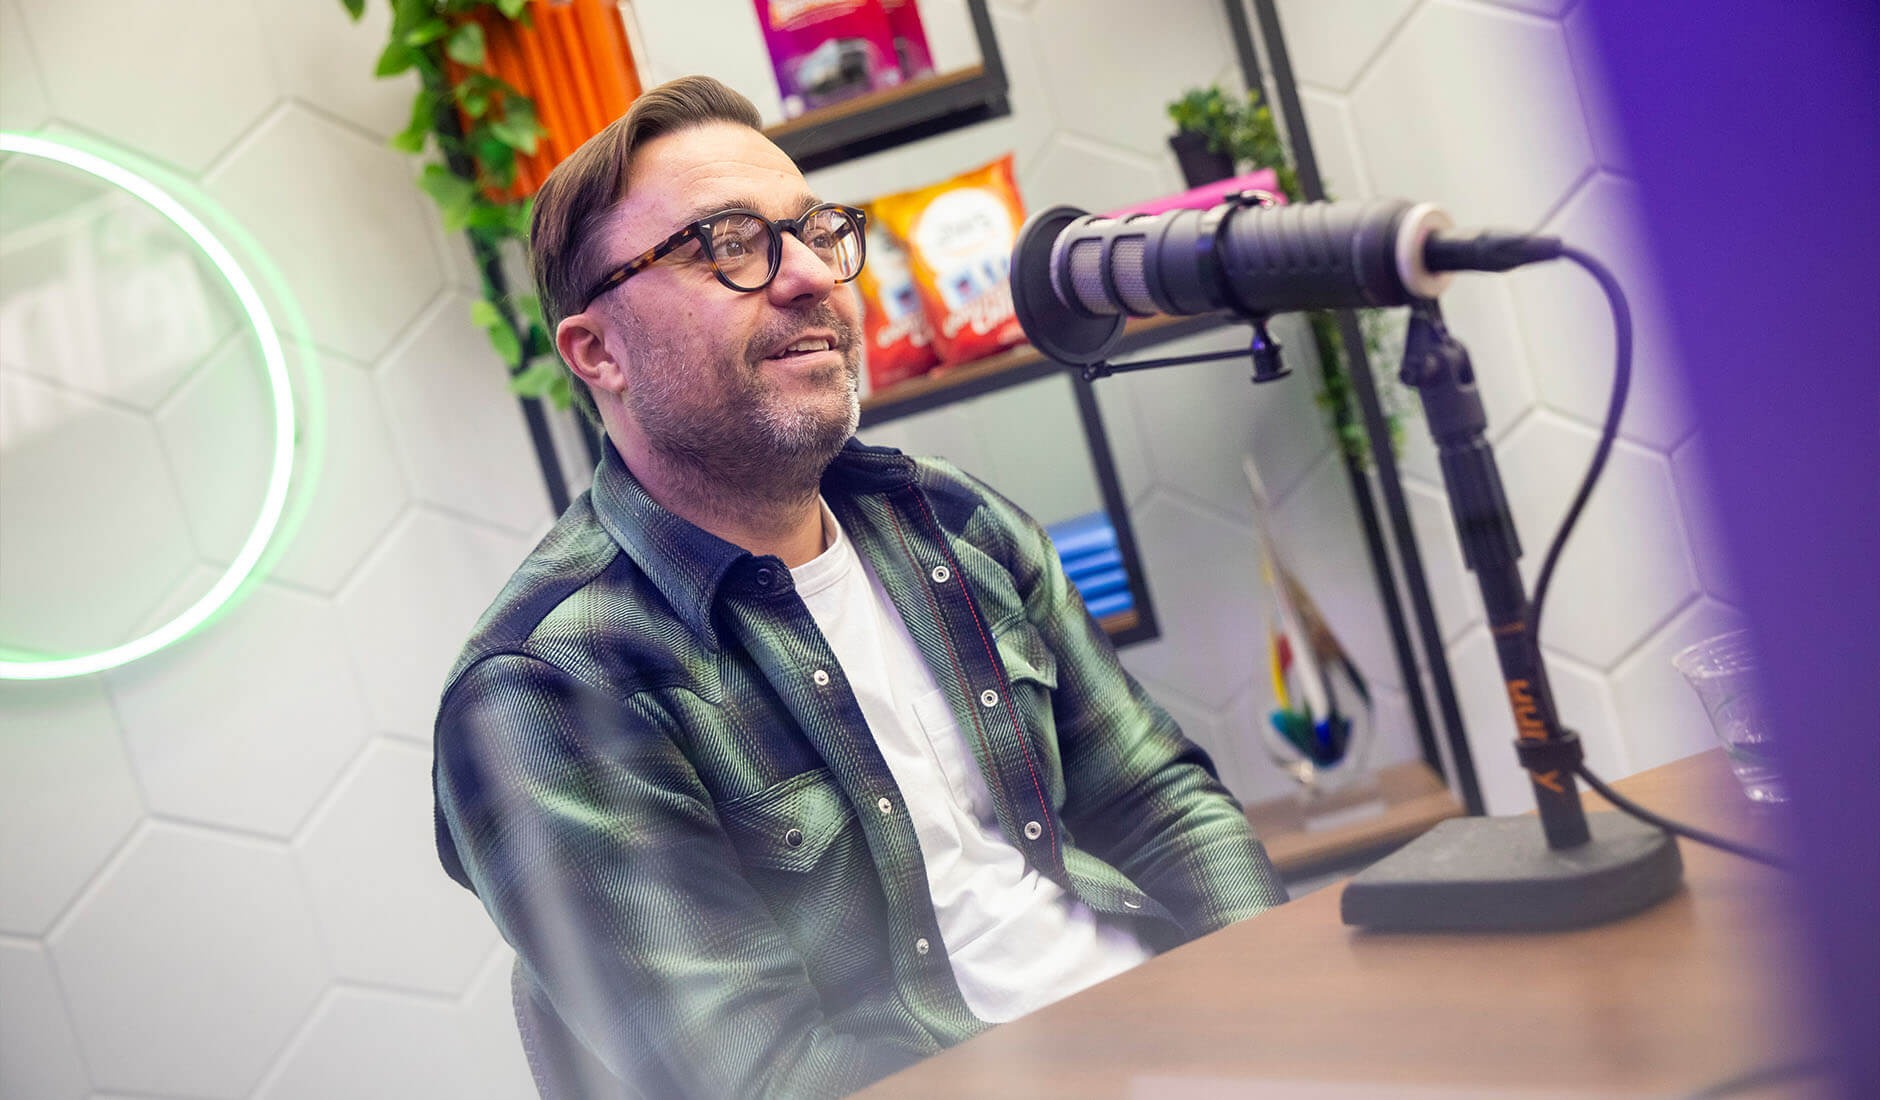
712, 382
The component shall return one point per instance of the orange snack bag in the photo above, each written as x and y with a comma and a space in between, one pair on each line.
899, 337
959, 236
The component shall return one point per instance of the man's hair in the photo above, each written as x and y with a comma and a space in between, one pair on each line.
582, 192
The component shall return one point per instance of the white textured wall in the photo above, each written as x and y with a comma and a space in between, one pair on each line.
215, 868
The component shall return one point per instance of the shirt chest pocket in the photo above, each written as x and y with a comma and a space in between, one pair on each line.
791, 825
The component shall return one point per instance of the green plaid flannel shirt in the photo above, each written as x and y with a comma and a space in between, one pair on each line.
697, 850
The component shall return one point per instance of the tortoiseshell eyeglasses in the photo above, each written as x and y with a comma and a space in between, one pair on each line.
745, 248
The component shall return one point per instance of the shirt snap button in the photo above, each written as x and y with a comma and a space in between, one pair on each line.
941, 574
988, 698
794, 838
884, 806
821, 677
1128, 904
1033, 830
920, 946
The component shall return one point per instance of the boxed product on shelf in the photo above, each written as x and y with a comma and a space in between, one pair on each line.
910, 38
959, 235
826, 51
899, 337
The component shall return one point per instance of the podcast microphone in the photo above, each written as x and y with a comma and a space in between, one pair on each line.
1076, 276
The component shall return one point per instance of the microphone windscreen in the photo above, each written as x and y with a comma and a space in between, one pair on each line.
1067, 332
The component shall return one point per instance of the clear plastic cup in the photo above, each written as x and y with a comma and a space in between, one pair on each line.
1723, 671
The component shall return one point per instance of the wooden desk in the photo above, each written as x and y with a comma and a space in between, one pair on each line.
1663, 1003
1411, 799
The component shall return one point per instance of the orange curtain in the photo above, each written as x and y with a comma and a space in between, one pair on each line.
573, 61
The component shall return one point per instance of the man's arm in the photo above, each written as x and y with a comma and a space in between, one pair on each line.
598, 853
1138, 794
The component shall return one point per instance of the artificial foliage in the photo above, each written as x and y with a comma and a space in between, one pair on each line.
476, 125
1245, 130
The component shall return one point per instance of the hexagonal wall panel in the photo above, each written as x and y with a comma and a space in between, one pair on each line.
1589, 66
1580, 695
943, 433
22, 92
101, 293
1093, 175
1330, 41
389, 912
1568, 325
1318, 532
1663, 719
1165, 48
1708, 547
676, 43
1019, 425
1474, 109
59, 754
91, 533
1199, 419
365, 1044
1454, 596
326, 59
346, 490
1334, 145
496, 1046
469, 452
1124, 430
1625, 569
207, 57
339, 215
410, 608
247, 723
39, 1055
195, 943
1205, 585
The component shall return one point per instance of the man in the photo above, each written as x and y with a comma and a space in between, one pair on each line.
785, 761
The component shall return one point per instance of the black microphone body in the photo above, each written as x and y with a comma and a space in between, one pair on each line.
1076, 276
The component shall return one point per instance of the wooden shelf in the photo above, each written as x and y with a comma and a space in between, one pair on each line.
1413, 799
1011, 367
894, 116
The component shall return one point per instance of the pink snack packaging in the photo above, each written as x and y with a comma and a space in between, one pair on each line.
910, 38
826, 51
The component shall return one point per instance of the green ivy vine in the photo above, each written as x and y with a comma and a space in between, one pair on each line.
474, 162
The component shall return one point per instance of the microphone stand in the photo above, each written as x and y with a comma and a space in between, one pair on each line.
1494, 873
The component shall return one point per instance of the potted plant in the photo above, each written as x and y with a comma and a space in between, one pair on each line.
1207, 127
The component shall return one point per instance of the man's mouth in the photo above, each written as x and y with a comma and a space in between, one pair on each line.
805, 346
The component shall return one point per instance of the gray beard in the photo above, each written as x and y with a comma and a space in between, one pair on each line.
753, 453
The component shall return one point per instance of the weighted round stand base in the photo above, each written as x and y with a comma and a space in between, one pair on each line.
1497, 874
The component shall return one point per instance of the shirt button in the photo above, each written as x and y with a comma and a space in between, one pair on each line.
988, 698
794, 838
941, 574
920, 946
764, 577
885, 806
821, 677
1033, 830
1128, 904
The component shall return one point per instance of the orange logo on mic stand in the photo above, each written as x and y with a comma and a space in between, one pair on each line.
1527, 720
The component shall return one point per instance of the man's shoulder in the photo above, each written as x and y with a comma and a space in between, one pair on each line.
576, 602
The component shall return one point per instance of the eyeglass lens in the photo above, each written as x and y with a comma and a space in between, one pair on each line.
743, 246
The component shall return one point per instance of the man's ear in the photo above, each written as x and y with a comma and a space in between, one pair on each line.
582, 341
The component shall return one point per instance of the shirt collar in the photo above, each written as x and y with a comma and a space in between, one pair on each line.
689, 564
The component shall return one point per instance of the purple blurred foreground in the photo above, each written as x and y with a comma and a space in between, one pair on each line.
1775, 296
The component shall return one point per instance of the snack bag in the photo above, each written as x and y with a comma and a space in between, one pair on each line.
959, 236
899, 337
910, 38
826, 51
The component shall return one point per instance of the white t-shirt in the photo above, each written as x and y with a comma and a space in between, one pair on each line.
1017, 940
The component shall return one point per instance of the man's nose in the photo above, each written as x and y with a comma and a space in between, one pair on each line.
802, 275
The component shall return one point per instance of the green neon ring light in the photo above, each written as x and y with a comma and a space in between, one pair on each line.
280, 472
